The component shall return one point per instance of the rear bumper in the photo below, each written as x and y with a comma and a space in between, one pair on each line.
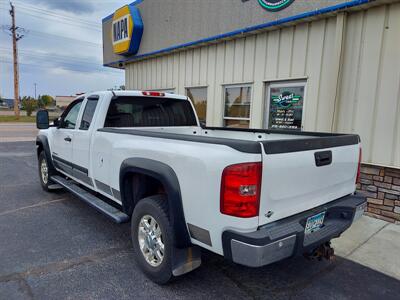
286, 238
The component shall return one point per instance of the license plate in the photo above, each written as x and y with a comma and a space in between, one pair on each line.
314, 223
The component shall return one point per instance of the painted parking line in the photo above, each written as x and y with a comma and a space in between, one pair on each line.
7, 212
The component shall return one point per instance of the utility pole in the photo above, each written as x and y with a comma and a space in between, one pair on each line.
35, 84
15, 38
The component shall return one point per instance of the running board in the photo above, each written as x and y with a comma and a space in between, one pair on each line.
113, 213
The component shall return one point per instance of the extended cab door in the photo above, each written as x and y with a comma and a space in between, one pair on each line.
82, 141
63, 137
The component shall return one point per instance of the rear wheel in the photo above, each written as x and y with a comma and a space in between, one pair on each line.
152, 238
45, 172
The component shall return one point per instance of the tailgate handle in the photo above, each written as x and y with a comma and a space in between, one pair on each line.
323, 158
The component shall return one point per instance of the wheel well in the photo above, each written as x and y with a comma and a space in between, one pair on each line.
39, 148
137, 186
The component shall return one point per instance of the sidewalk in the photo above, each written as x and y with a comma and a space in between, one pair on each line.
373, 243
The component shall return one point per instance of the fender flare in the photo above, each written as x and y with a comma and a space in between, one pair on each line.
41, 140
166, 175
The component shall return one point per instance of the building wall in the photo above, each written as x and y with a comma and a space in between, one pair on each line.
351, 63
174, 22
369, 101
381, 186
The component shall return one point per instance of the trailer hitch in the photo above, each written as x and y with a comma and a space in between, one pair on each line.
322, 251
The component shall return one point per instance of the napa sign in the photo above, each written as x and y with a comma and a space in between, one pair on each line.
126, 30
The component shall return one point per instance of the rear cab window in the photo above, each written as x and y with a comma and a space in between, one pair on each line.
88, 113
136, 111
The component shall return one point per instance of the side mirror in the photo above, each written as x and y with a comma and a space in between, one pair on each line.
42, 119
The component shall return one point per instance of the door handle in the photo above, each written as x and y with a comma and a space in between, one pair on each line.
68, 139
323, 158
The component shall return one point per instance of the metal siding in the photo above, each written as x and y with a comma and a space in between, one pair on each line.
238, 60
327, 90
271, 69
249, 58
384, 133
300, 43
211, 73
259, 75
368, 85
189, 68
313, 69
196, 67
285, 52
219, 79
203, 65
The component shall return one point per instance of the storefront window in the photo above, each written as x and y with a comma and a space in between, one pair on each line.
198, 96
237, 106
284, 105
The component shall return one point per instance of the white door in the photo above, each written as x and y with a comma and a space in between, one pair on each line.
82, 142
63, 137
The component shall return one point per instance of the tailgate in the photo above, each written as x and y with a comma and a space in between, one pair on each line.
301, 174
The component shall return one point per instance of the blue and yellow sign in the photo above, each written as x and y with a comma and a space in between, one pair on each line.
127, 30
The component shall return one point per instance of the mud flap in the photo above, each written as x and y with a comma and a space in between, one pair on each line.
186, 260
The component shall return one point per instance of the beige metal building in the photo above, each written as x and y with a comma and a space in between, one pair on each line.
64, 101
313, 65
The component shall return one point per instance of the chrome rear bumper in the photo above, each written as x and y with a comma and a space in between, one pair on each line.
286, 238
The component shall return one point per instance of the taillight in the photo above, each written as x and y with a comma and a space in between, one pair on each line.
240, 190
154, 94
359, 166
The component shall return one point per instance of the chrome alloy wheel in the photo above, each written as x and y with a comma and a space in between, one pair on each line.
44, 171
151, 241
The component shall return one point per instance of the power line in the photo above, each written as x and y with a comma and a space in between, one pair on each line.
57, 58
46, 35
42, 11
59, 21
71, 18
63, 67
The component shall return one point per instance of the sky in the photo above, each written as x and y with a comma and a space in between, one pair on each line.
61, 50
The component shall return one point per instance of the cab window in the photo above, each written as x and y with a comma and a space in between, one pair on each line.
88, 113
69, 120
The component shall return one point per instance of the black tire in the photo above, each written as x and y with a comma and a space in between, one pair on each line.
50, 172
156, 207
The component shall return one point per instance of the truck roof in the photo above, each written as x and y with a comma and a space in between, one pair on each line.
135, 93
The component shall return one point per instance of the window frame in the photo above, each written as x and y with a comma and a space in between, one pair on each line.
239, 85
280, 84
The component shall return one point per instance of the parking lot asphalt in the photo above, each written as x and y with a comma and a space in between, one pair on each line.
53, 246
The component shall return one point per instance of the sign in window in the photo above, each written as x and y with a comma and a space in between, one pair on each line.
285, 103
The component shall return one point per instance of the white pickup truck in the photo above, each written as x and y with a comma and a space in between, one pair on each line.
253, 196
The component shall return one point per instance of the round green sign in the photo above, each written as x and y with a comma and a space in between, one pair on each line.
275, 5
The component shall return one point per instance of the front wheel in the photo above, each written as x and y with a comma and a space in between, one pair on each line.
152, 238
45, 172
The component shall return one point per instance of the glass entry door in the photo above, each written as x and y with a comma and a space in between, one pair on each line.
284, 105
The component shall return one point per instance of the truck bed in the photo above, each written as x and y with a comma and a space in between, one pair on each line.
246, 140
